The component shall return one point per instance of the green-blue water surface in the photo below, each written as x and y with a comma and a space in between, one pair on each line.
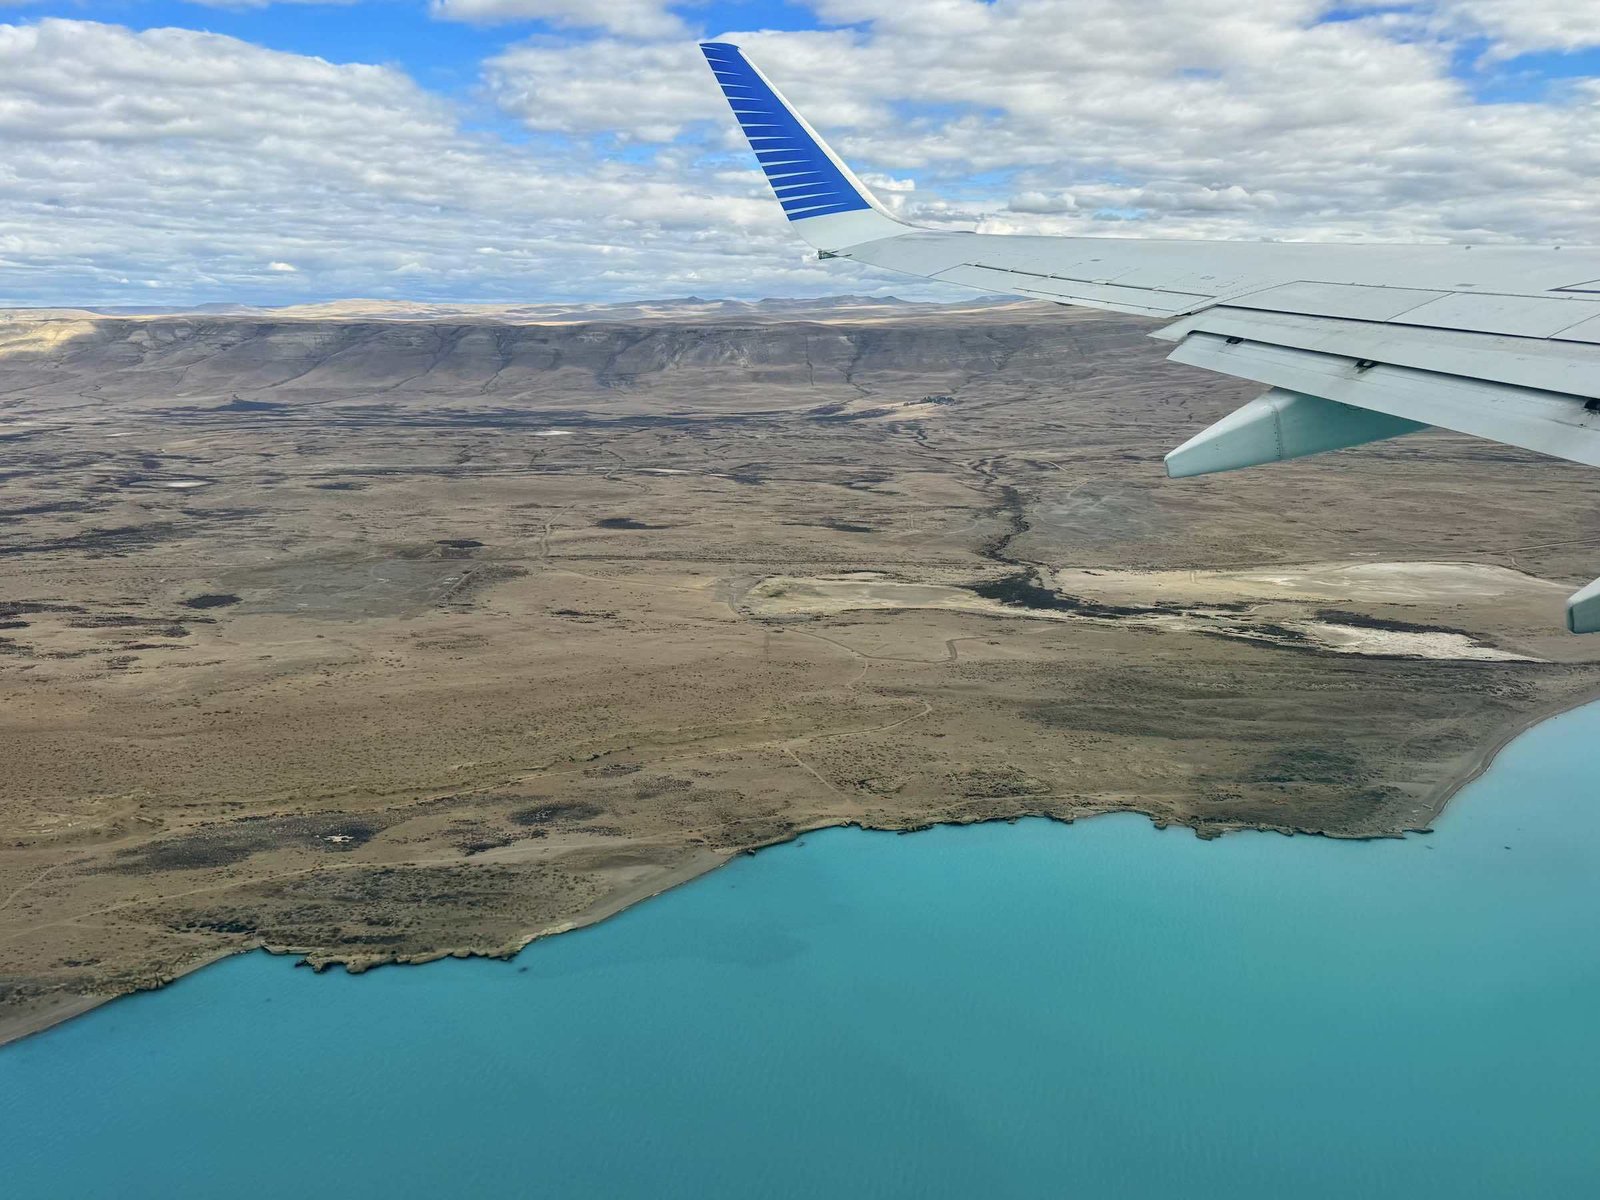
1097, 1010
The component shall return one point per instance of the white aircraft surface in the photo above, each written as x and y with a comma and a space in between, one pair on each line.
1355, 342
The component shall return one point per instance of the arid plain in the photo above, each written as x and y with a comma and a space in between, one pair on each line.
377, 639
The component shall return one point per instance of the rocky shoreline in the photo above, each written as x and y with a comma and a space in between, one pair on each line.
50, 1012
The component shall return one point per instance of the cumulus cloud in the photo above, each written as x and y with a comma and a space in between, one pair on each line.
640, 92
631, 18
1234, 118
181, 161
1522, 26
200, 166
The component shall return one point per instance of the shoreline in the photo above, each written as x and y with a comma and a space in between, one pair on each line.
38, 1018
1484, 759
47, 1014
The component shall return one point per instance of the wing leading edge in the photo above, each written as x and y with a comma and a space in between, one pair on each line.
1355, 343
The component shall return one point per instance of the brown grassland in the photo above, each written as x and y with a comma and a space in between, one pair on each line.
375, 640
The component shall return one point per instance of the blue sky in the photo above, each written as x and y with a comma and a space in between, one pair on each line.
438, 53
446, 54
576, 150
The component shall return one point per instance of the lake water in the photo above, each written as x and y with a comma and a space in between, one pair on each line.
1098, 1010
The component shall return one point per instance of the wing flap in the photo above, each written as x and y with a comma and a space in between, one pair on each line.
1344, 301
1514, 316
1565, 368
1550, 423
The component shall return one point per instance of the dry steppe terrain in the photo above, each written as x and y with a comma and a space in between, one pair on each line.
376, 639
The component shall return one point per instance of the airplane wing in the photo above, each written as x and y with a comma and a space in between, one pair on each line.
1353, 342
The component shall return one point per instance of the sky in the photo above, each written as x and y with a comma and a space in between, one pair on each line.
175, 152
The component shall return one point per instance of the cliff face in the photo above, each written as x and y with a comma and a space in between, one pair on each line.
159, 361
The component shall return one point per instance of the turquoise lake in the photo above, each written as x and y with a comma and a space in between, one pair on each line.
1096, 1010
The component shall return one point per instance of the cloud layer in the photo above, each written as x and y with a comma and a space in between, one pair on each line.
174, 166
632, 18
1211, 117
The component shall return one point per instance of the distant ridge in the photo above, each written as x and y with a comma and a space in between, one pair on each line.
675, 309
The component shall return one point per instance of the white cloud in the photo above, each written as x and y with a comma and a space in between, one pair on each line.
190, 159
644, 92
630, 18
1522, 26
1238, 118
185, 161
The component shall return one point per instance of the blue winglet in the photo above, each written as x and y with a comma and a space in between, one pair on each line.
803, 175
